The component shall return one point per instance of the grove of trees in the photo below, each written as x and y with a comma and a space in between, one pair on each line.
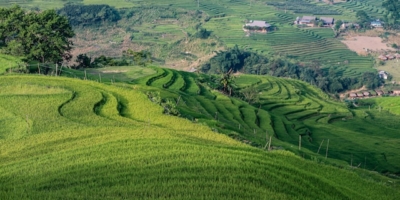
84, 15
236, 60
43, 37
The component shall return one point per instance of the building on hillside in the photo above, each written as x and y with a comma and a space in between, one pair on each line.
350, 25
396, 92
353, 95
366, 94
257, 25
377, 24
390, 56
382, 57
379, 92
383, 75
307, 20
360, 94
328, 21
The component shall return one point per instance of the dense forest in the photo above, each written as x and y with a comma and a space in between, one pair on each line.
251, 63
83, 15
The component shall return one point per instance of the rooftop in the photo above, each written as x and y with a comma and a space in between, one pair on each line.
327, 19
259, 23
308, 18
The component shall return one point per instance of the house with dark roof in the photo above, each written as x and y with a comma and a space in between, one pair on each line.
328, 21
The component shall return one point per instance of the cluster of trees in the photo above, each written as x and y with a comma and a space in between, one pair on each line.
83, 15
363, 19
84, 61
392, 14
233, 60
202, 33
141, 58
43, 37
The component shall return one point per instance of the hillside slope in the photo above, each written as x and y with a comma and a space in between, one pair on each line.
64, 138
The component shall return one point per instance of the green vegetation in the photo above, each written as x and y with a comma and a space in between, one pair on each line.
283, 109
42, 37
237, 60
157, 133
67, 138
388, 104
89, 15
8, 62
304, 7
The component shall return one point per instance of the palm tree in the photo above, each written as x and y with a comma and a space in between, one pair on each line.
227, 81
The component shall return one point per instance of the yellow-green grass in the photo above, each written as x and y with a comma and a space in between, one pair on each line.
390, 104
392, 67
85, 155
288, 108
8, 62
120, 73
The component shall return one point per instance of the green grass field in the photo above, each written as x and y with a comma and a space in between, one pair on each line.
63, 138
287, 108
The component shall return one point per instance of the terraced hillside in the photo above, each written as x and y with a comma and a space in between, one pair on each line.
64, 138
225, 20
303, 44
287, 109
372, 7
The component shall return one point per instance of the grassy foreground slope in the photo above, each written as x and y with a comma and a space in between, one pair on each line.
65, 138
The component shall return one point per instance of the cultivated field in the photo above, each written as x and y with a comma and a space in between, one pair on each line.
68, 138
286, 109
166, 33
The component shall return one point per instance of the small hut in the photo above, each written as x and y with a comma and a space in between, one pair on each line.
382, 57
379, 92
353, 95
390, 56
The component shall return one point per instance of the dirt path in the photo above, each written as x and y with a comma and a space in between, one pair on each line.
360, 44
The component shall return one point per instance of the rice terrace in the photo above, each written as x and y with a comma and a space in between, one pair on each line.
199, 99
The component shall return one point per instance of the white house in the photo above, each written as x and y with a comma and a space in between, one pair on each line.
383, 75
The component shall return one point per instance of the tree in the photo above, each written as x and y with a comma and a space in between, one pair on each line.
83, 61
362, 16
392, 11
47, 40
250, 94
338, 24
141, 58
227, 81
42, 37
202, 33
